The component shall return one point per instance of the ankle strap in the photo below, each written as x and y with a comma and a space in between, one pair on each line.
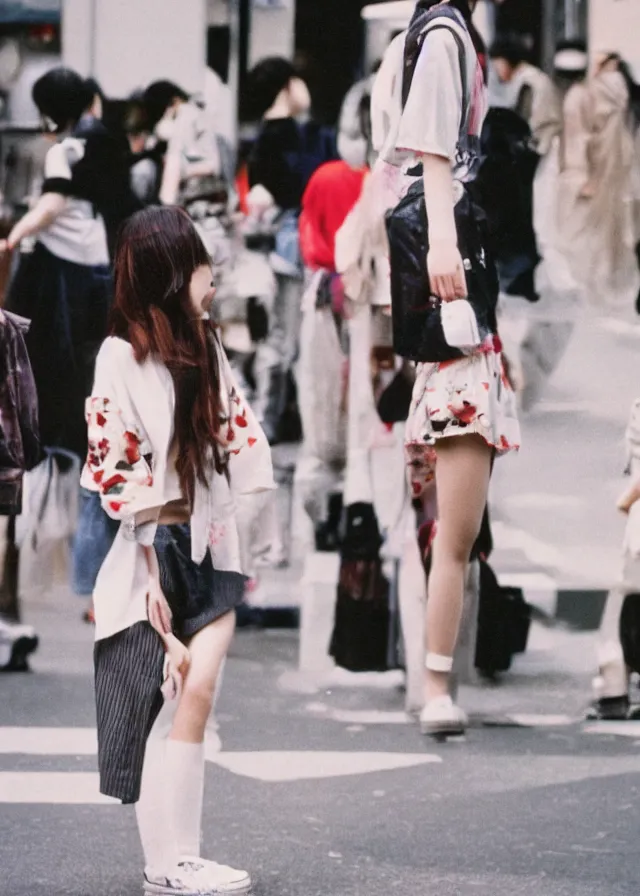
435, 662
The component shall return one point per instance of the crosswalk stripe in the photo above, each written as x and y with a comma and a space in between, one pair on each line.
61, 787
286, 766
53, 788
49, 741
619, 729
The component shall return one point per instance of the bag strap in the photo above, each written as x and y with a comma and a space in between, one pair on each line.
419, 29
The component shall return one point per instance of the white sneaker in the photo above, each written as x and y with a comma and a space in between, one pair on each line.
219, 878
179, 882
441, 717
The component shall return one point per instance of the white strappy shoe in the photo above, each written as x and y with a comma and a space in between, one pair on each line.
442, 718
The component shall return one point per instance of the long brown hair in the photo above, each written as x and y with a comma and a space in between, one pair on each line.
158, 251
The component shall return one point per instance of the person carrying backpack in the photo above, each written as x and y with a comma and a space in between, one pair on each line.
287, 151
429, 104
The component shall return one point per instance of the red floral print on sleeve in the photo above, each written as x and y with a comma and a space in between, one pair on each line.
114, 466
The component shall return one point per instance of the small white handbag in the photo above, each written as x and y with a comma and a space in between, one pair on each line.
459, 324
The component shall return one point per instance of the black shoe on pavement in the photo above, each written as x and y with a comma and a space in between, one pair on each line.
17, 642
609, 709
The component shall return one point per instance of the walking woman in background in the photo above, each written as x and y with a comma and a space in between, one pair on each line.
64, 286
172, 447
463, 407
611, 265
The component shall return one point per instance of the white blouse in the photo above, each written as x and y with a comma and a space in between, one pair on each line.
130, 418
78, 233
431, 121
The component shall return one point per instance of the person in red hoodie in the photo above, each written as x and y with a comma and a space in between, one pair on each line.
331, 193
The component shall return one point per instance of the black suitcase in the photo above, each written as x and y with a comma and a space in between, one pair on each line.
504, 619
630, 631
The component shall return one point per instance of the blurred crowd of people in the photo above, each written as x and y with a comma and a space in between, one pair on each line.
394, 460
294, 223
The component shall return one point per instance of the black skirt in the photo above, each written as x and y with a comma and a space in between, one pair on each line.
197, 595
67, 305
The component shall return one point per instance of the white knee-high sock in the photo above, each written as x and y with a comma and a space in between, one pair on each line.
154, 811
185, 773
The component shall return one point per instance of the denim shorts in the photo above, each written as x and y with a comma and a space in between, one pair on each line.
94, 537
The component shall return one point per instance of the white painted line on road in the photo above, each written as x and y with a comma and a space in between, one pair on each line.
56, 788
619, 327
272, 766
537, 551
577, 565
32, 741
620, 729
49, 741
280, 767
369, 717
540, 720
359, 716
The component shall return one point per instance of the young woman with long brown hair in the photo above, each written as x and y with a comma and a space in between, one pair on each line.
172, 444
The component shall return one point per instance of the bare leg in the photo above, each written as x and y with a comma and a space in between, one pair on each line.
185, 746
208, 648
463, 470
178, 772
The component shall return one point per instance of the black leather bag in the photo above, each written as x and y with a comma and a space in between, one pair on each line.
417, 325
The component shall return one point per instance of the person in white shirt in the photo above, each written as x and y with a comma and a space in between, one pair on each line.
173, 450
64, 285
463, 411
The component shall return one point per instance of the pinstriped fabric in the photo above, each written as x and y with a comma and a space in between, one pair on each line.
128, 676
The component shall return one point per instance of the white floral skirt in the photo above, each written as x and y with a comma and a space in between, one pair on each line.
458, 398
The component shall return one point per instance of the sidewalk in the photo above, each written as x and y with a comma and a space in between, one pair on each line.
556, 527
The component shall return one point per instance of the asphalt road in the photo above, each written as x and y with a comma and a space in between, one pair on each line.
325, 788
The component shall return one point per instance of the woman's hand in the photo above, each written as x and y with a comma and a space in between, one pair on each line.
177, 664
588, 190
8, 245
158, 609
446, 271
